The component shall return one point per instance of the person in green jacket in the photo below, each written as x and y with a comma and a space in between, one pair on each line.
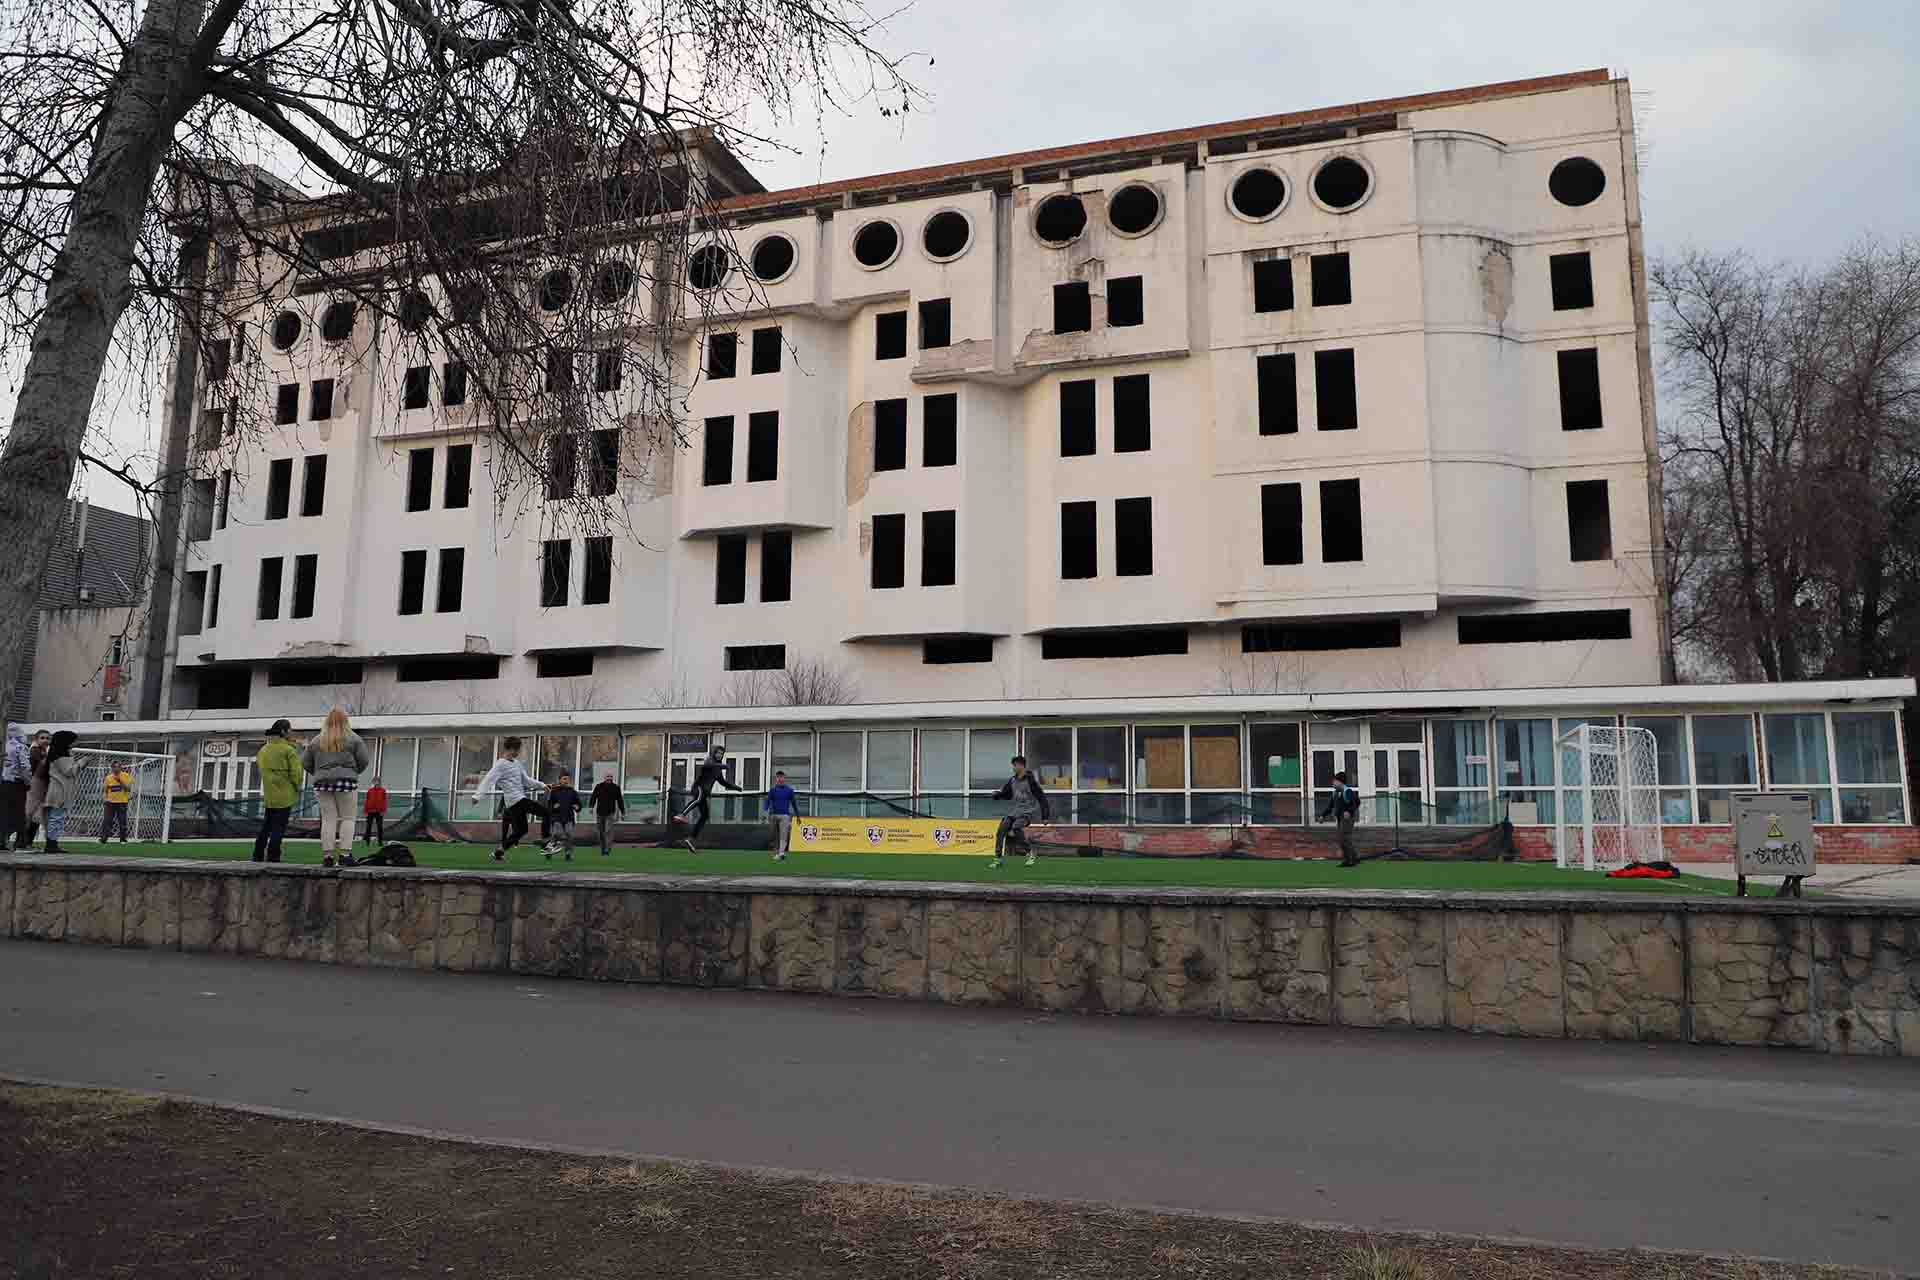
280, 779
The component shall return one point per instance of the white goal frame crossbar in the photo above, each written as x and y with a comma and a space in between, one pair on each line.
1620, 814
165, 764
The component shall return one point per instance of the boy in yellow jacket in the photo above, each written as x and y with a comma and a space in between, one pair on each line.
117, 793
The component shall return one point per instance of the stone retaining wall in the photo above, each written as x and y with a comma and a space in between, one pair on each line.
1842, 977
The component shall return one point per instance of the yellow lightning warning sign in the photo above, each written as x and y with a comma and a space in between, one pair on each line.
1773, 827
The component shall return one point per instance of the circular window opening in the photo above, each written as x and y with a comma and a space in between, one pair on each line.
556, 289
1134, 210
286, 330
1576, 181
1342, 183
773, 258
1060, 219
614, 282
876, 244
337, 324
707, 268
1258, 194
414, 310
946, 235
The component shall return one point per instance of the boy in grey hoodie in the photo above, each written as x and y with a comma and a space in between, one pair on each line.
1028, 802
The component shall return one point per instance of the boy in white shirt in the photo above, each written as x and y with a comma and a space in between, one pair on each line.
515, 785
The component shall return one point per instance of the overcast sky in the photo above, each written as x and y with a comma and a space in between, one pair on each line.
1786, 127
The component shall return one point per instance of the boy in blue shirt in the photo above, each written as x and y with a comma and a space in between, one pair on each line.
780, 815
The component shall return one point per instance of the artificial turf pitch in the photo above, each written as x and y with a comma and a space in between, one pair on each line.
1217, 873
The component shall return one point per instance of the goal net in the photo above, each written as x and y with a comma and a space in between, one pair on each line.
143, 778
1609, 813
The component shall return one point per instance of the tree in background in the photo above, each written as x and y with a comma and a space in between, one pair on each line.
508, 183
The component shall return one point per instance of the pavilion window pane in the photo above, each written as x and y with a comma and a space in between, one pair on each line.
1873, 804
599, 758
559, 753
433, 770
1456, 743
1216, 758
1797, 750
1275, 752
1163, 808
473, 757
397, 757
890, 760
1723, 751
1159, 757
943, 760
1103, 759
991, 760
1866, 747
1050, 756
840, 761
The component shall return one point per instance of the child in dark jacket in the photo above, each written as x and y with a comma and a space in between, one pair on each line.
563, 802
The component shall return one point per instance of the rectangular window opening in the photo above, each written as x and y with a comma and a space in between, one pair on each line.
1133, 537
890, 335
1340, 541
556, 568
1273, 284
1546, 628
271, 570
942, 651
413, 582
464, 667
717, 465
730, 569
459, 474
419, 479
723, 354
596, 585
559, 373
226, 500
1572, 279
213, 600
1072, 307
936, 323
1144, 642
1580, 389
286, 405
314, 675
320, 399
1279, 399
453, 572
219, 359
453, 383
1126, 302
571, 665
306, 573
608, 370
889, 435
1280, 537
889, 552
776, 566
937, 536
1336, 403
756, 657
1079, 540
419, 387
767, 348
1589, 522
313, 485
1332, 279
1319, 638
279, 488
1132, 413
940, 430
763, 446
563, 467
603, 462
1077, 431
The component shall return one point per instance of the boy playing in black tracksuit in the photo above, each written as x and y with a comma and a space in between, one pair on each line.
563, 802
712, 773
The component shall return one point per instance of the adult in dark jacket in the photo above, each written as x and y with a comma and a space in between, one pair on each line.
1343, 805
1026, 802
713, 773
605, 801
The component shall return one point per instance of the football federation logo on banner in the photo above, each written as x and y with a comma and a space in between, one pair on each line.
942, 837
810, 833
875, 835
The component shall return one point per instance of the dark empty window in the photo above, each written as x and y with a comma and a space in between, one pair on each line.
890, 335
453, 575
459, 474
321, 399
608, 369
756, 657
559, 372
603, 462
1133, 537
419, 387
936, 323
465, 667
951, 650
1279, 398
1336, 405
286, 404
572, 664
563, 468
413, 582
1572, 275
889, 552
1273, 284
1077, 419
1340, 540
1135, 642
1545, 628
776, 566
213, 598
1072, 307
226, 500
1580, 389
1132, 414
271, 570
313, 485
722, 354
1319, 637
766, 350
1332, 279
219, 358
939, 423
556, 567
889, 435
1589, 523
279, 487
717, 466
306, 572
1079, 539
1280, 541
419, 479
313, 675
596, 577
730, 568
453, 383
936, 548
763, 446
1126, 303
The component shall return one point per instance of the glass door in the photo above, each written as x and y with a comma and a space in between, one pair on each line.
1394, 786
686, 752
746, 771
1328, 761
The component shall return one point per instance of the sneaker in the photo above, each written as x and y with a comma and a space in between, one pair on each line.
993, 864
327, 861
569, 857
499, 855
548, 853
1032, 861
689, 844
779, 857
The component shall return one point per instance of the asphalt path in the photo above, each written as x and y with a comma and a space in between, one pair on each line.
1770, 1153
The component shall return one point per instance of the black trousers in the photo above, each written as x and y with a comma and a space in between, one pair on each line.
514, 822
377, 828
273, 829
116, 817
13, 811
700, 802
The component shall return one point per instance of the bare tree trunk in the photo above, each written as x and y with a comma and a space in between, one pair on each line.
89, 289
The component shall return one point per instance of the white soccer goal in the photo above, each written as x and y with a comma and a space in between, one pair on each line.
148, 782
1609, 812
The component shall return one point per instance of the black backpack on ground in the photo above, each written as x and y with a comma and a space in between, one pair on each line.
389, 855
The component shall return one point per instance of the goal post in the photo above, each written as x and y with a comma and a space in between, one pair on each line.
1609, 812
148, 782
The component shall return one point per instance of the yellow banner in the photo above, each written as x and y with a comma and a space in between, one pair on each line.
894, 835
